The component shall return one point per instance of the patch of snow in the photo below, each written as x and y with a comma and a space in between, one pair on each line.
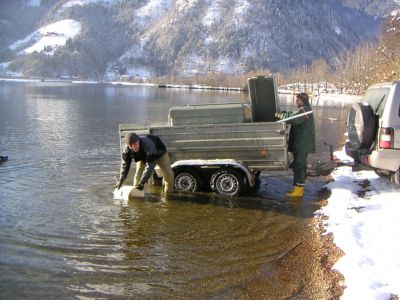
191, 63
213, 15
135, 52
152, 11
241, 7
53, 35
183, 5
134, 83
230, 66
139, 72
395, 12
338, 31
367, 229
5, 64
32, 3
84, 82
19, 79
195, 64
132, 61
393, 29
246, 52
86, 2
209, 40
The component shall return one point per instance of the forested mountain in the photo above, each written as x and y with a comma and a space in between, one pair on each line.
381, 8
141, 38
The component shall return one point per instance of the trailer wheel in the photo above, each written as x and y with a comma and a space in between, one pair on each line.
229, 182
187, 181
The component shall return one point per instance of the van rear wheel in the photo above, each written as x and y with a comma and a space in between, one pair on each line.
361, 125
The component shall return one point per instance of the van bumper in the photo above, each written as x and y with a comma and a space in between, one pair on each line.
385, 159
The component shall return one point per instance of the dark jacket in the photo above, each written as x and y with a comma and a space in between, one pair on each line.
151, 148
302, 131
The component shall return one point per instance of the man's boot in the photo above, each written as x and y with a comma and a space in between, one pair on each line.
298, 191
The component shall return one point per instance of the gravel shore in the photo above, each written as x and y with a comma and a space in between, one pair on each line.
305, 270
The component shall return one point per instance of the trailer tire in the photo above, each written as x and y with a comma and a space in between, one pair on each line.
361, 126
229, 182
187, 180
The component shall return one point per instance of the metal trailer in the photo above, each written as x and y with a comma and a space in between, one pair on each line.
223, 147
226, 158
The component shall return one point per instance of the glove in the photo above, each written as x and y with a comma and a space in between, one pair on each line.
139, 187
279, 115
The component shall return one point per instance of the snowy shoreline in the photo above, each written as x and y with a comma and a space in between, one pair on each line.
322, 98
362, 215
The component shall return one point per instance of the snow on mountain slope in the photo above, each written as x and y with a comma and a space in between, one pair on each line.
196, 36
85, 2
184, 5
32, 3
241, 7
52, 36
153, 11
213, 14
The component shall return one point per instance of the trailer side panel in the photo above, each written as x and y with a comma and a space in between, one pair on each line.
260, 146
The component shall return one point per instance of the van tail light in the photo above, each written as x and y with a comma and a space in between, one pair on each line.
386, 138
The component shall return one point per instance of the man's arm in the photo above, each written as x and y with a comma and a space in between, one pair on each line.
126, 160
299, 120
148, 171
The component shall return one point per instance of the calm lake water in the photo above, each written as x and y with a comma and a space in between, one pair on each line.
64, 236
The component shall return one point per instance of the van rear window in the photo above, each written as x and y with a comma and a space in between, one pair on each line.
377, 99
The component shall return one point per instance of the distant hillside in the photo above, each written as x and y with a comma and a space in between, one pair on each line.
17, 19
381, 8
142, 38
387, 56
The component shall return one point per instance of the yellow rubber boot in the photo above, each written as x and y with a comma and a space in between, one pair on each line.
298, 191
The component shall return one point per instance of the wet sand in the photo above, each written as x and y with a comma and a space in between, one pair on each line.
315, 271
309, 267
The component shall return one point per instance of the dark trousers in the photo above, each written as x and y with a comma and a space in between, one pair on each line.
299, 168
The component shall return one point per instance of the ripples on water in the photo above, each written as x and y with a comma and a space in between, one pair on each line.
64, 236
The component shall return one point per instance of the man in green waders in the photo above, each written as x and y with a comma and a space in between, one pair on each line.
301, 141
